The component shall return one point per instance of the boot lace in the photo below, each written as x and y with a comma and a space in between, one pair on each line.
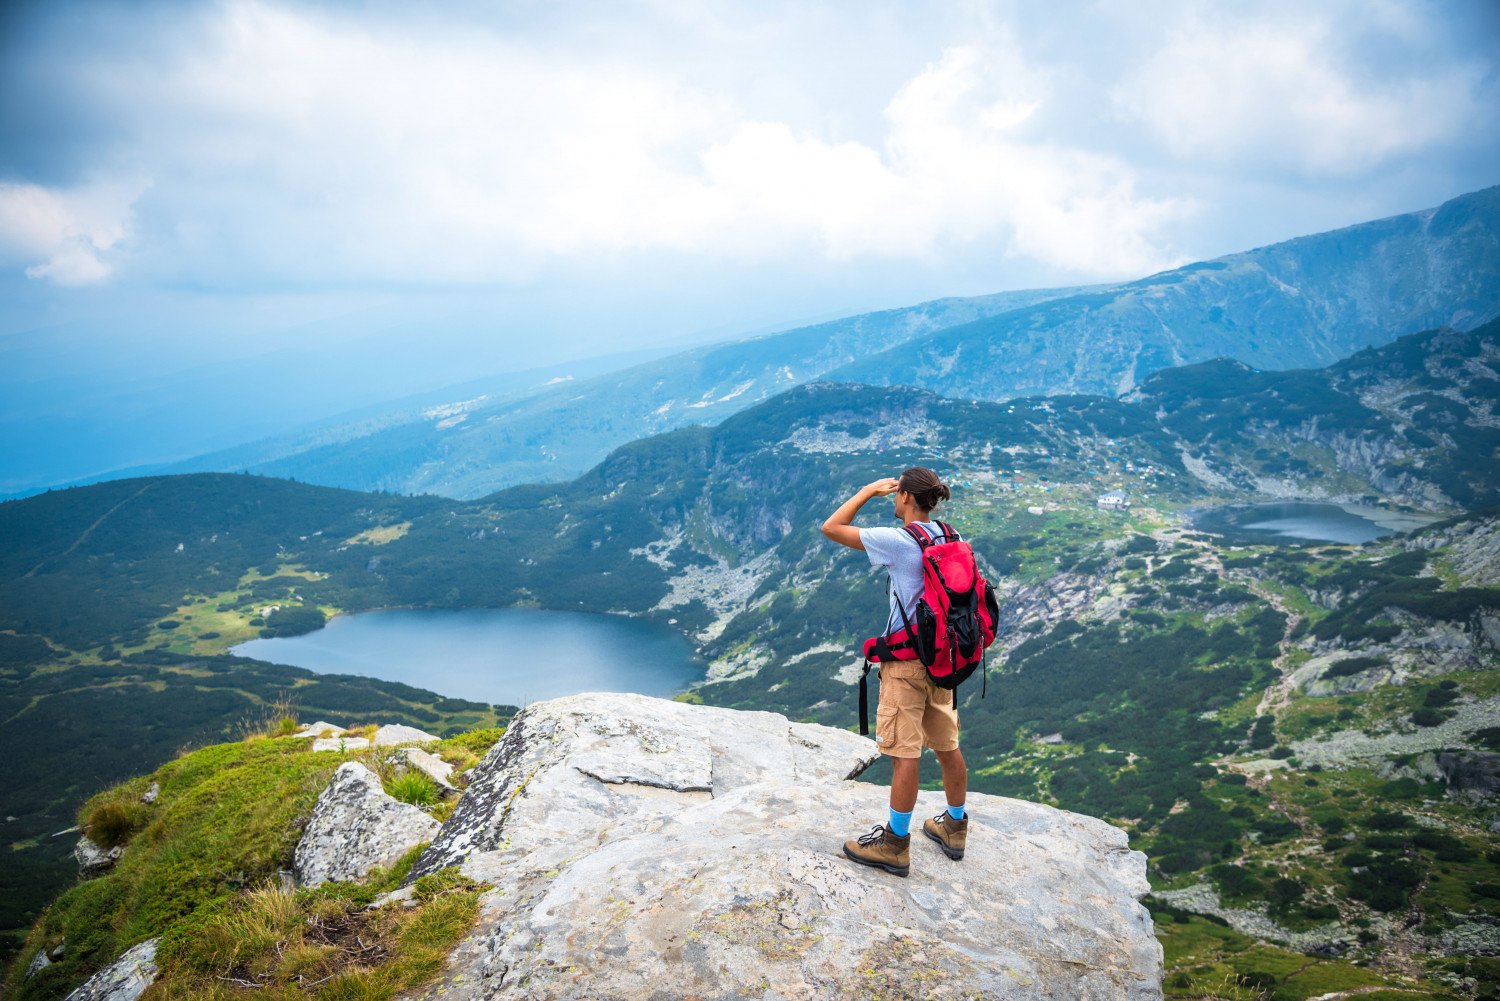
877, 834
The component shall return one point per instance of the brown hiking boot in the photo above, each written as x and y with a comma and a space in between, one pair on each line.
951, 835
881, 849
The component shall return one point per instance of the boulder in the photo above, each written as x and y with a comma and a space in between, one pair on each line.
93, 858
149, 796
393, 734
123, 980
339, 744
319, 729
355, 827
646, 849
38, 963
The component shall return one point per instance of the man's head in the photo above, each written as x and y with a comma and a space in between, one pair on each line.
920, 491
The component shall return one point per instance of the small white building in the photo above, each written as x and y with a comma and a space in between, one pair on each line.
1113, 501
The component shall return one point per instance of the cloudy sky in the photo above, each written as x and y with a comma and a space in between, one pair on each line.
508, 183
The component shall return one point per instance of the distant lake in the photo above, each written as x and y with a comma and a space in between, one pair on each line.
1298, 523
505, 656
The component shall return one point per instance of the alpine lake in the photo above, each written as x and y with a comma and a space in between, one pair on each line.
503, 656
1296, 523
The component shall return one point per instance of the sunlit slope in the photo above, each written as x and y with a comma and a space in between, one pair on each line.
1300, 304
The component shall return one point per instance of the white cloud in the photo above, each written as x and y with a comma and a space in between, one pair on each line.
1282, 88
303, 146
70, 232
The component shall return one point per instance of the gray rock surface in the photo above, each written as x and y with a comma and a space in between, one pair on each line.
594, 765
123, 980
38, 963
339, 743
93, 858
355, 827
1476, 773
645, 849
149, 796
319, 729
393, 734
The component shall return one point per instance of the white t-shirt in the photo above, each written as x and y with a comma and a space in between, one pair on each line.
894, 549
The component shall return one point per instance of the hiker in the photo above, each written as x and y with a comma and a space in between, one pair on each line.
913, 712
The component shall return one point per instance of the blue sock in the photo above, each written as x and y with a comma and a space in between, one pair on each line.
900, 824
956, 812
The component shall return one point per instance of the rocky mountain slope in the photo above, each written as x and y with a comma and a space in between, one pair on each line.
1303, 303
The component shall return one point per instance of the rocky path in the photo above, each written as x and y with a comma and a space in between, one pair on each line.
1279, 692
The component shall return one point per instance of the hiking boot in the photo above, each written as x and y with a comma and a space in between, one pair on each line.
950, 834
881, 849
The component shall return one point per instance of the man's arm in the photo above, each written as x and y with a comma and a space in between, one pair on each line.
840, 528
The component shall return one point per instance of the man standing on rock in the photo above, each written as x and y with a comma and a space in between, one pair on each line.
913, 712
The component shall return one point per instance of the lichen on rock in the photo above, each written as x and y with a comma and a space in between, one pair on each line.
355, 827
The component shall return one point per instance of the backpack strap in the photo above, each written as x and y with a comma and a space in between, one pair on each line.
918, 534
949, 533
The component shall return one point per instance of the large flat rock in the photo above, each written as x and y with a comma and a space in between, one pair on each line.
642, 849
574, 772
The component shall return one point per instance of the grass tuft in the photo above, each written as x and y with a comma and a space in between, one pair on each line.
412, 786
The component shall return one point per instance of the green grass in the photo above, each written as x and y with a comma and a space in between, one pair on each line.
413, 787
324, 943
227, 817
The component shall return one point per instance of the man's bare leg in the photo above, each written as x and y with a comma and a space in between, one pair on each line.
955, 777
904, 784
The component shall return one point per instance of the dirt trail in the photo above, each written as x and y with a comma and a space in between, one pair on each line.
1279, 692
87, 532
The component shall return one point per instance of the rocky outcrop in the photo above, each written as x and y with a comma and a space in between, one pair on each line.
340, 743
596, 765
642, 849
319, 729
355, 827
123, 980
39, 962
395, 734
93, 858
1472, 773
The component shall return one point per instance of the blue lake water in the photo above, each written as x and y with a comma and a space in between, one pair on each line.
505, 656
1299, 523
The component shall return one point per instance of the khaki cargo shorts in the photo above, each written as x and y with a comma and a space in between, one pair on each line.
913, 712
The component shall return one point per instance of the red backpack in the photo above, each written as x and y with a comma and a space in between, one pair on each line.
956, 618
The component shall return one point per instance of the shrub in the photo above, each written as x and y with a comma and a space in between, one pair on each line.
1438, 697
1353, 665
1429, 717
112, 823
1385, 820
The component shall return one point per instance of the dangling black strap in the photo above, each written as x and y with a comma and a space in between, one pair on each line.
864, 701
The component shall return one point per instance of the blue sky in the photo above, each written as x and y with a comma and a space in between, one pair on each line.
482, 186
